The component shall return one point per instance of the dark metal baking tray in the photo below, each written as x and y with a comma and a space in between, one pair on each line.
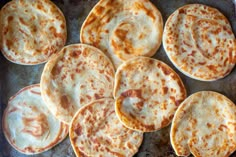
13, 77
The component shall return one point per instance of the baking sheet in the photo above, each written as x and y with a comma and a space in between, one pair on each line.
13, 77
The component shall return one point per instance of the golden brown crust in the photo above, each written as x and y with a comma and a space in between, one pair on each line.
77, 75
205, 125
199, 41
147, 93
123, 29
28, 125
96, 131
31, 31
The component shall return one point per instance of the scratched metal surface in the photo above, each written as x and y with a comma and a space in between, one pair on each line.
157, 144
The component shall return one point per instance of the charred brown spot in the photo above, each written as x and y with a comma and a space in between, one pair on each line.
5, 30
9, 43
193, 121
139, 105
212, 68
78, 130
202, 63
165, 121
36, 126
177, 102
22, 21
10, 18
140, 6
39, 7
121, 34
113, 152
97, 96
62, 26
165, 70
88, 97
182, 11
209, 125
91, 19
149, 127
132, 116
23, 32
151, 61
129, 145
99, 9
222, 127
165, 90
72, 76
54, 32
81, 154
56, 70
132, 93
75, 54
35, 92
29, 149
64, 102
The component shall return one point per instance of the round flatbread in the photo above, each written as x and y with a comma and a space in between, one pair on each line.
96, 131
31, 31
123, 29
77, 75
147, 93
204, 125
28, 125
199, 41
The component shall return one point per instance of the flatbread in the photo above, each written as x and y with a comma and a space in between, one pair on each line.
205, 125
199, 41
96, 131
123, 29
77, 75
32, 31
28, 125
147, 93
